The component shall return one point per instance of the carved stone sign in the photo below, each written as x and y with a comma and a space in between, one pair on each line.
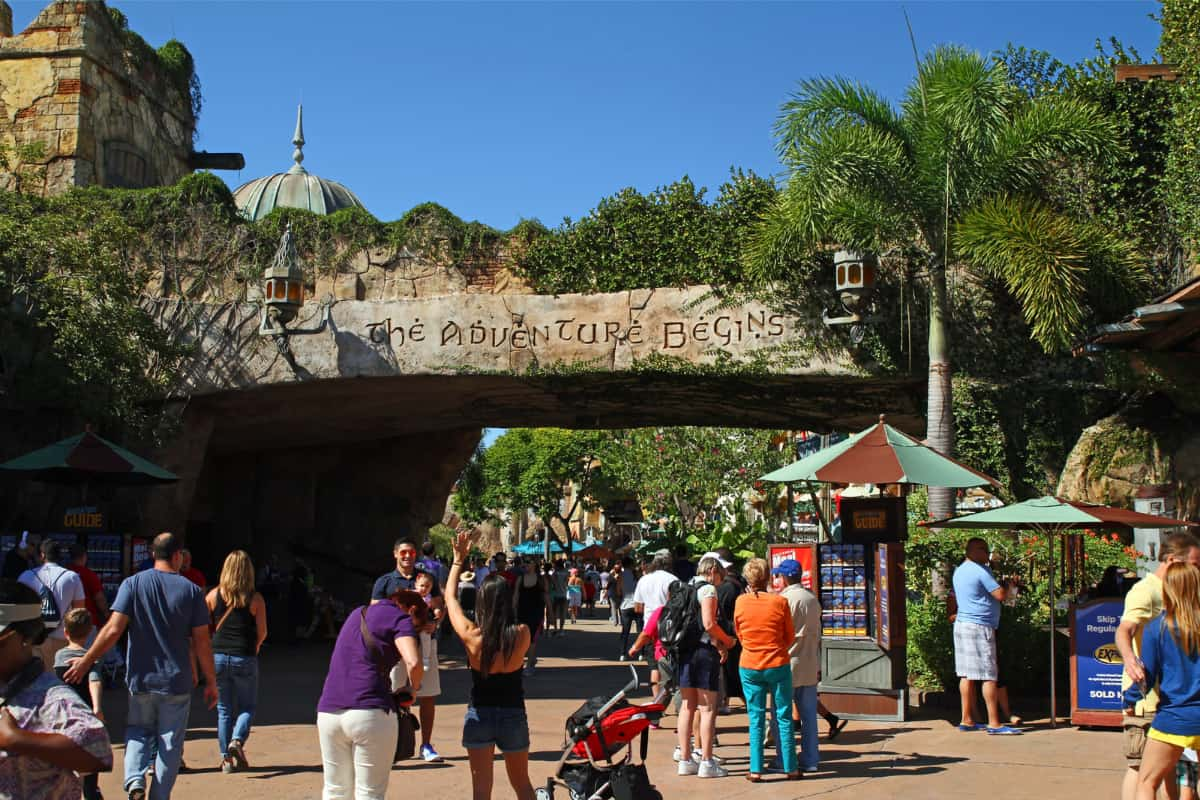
508, 333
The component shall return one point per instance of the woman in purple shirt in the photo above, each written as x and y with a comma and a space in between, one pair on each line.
355, 715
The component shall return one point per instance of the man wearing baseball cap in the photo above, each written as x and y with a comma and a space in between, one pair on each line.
806, 657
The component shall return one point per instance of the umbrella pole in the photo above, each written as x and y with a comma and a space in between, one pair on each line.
816, 504
1053, 671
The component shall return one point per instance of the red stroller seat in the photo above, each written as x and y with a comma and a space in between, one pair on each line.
616, 730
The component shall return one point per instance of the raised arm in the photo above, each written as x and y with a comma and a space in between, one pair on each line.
458, 619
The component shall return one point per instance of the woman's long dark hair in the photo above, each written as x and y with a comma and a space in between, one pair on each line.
496, 620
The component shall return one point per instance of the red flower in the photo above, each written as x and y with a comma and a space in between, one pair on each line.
1115, 537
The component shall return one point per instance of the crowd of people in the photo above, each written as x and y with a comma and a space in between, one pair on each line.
56, 626
755, 638
758, 639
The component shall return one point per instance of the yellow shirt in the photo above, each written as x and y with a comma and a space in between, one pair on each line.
1143, 603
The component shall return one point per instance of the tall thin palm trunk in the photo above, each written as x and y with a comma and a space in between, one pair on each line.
939, 430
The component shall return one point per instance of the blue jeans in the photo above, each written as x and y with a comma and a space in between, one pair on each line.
154, 731
237, 691
806, 703
757, 684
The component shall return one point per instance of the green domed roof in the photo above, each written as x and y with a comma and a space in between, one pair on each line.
296, 188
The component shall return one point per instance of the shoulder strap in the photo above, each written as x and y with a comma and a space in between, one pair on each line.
372, 644
225, 616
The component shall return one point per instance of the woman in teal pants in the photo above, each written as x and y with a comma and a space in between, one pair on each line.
763, 624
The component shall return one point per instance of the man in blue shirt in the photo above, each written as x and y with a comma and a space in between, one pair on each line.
166, 617
979, 597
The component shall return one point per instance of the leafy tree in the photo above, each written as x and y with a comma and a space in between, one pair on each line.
1180, 45
1126, 192
532, 468
73, 331
952, 179
684, 474
669, 237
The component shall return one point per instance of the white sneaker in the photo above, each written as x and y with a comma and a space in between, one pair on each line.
688, 767
698, 757
709, 769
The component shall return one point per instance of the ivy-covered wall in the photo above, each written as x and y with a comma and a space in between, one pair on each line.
1180, 45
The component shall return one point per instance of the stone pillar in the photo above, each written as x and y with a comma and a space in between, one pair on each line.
6, 23
338, 508
168, 507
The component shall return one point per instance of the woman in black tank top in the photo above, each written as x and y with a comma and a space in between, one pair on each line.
496, 649
239, 617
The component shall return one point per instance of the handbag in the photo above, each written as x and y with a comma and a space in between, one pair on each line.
406, 723
631, 782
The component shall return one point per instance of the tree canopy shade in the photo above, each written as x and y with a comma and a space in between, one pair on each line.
684, 473
953, 178
531, 468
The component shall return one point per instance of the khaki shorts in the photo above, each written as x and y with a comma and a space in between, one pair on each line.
1134, 729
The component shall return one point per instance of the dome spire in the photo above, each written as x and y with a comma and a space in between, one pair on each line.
298, 140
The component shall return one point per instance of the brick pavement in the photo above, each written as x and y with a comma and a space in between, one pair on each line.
924, 758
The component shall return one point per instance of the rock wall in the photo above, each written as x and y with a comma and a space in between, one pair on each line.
68, 85
1148, 443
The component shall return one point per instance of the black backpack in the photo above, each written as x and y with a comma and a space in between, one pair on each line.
679, 621
51, 615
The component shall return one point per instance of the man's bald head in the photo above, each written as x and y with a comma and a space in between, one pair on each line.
165, 546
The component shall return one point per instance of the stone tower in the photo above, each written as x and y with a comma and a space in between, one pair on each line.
80, 106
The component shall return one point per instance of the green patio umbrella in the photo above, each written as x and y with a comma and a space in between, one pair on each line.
88, 459
1053, 516
880, 454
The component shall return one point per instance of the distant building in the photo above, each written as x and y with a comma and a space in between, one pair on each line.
80, 107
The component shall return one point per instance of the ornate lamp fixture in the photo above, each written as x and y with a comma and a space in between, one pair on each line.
854, 276
283, 292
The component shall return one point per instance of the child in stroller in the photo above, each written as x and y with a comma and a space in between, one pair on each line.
597, 761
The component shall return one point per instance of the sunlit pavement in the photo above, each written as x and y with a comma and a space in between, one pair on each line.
922, 758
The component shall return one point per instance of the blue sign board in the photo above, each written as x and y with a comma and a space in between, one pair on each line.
1097, 660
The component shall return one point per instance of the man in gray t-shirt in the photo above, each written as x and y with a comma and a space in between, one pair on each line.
166, 617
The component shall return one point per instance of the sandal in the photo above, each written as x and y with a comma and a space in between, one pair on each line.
753, 777
795, 776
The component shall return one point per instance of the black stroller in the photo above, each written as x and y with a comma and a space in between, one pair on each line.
597, 761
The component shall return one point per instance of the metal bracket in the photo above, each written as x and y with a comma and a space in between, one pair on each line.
271, 326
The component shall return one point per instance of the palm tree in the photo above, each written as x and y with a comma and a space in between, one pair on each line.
955, 175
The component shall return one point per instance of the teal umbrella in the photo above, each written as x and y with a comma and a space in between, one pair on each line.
534, 547
1052, 516
88, 459
880, 454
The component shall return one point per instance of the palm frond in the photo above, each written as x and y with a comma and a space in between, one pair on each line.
1042, 134
849, 157
821, 103
1046, 259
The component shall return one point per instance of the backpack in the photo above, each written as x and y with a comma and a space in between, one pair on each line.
50, 613
679, 621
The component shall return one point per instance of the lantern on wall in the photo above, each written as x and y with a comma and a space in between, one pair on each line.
854, 279
283, 285
283, 292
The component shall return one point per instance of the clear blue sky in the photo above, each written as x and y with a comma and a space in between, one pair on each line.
501, 111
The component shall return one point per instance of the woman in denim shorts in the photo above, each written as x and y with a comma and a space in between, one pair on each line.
496, 644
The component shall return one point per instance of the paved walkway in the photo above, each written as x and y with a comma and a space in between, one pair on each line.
925, 758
